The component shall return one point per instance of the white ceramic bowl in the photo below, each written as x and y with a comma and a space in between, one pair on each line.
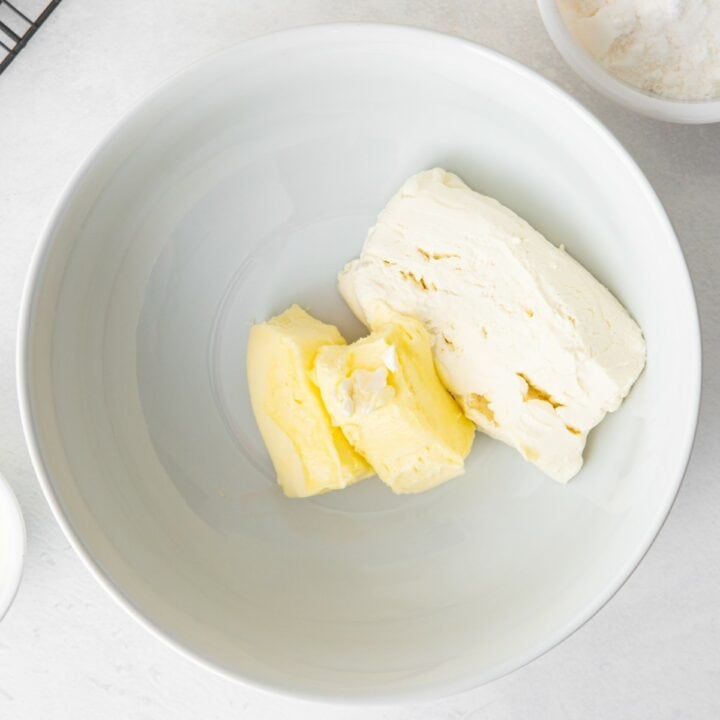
243, 185
678, 111
12, 546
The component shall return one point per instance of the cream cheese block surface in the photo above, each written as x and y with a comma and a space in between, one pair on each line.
533, 347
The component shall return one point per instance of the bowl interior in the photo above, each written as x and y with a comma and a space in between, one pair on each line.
243, 186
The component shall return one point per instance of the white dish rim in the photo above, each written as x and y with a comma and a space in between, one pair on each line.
11, 513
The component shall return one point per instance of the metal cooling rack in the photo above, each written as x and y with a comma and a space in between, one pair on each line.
19, 21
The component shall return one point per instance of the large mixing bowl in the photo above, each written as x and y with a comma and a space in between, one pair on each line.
242, 186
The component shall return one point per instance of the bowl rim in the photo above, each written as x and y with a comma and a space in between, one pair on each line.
314, 34
11, 513
590, 70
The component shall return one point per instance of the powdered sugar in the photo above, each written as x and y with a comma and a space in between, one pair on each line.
667, 47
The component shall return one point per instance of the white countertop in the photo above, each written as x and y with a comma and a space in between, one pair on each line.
67, 651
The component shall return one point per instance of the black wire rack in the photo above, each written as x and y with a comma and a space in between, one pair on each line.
19, 21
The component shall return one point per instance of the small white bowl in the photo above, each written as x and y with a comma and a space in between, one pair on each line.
678, 111
12, 546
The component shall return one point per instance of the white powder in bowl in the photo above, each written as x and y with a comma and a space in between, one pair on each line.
669, 48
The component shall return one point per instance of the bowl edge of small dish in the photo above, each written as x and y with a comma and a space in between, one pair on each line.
11, 510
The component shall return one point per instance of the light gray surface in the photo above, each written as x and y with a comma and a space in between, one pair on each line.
67, 651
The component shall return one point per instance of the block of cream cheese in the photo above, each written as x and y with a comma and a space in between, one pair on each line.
385, 394
310, 455
534, 348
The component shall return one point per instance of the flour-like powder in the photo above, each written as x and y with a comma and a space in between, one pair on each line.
666, 47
